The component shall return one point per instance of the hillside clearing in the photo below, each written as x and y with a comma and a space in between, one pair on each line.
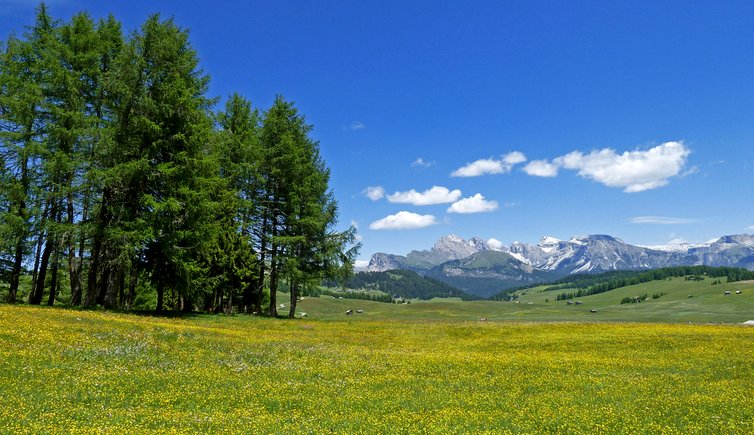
708, 304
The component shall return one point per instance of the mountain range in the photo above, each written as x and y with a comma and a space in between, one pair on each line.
483, 268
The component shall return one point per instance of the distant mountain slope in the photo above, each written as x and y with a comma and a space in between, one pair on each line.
449, 247
488, 272
473, 265
580, 285
405, 284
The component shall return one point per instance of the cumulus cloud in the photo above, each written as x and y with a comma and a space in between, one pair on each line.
357, 125
661, 220
420, 162
496, 244
634, 171
514, 158
473, 204
432, 196
677, 241
490, 166
375, 193
750, 228
541, 168
403, 220
360, 264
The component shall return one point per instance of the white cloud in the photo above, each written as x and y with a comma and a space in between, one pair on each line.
432, 196
690, 171
361, 263
357, 125
473, 204
375, 193
403, 220
750, 228
496, 244
479, 167
661, 220
634, 171
678, 241
420, 162
541, 168
490, 166
513, 158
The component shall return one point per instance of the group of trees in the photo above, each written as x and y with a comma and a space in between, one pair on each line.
596, 284
402, 283
118, 181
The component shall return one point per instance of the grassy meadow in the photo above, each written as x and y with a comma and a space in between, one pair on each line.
708, 304
78, 371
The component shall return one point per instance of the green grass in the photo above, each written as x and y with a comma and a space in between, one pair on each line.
90, 372
708, 304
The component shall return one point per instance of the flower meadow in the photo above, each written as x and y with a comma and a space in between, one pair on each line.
90, 372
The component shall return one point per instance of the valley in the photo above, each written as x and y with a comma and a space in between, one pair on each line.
482, 268
708, 304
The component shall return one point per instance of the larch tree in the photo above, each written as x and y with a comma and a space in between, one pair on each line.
117, 179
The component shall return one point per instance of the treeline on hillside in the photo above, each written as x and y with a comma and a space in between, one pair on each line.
605, 282
362, 295
402, 283
119, 184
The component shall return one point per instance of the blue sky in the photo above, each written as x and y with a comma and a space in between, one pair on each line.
645, 110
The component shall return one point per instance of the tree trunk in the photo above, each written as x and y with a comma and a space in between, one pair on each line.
294, 299
38, 293
262, 265
273, 268
111, 286
76, 298
160, 297
40, 239
102, 220
73, 269
16, 273
229, 304
187, 304
18, 257
273, 283
54, 280
132, 287
260, 284
36, 297
91, 282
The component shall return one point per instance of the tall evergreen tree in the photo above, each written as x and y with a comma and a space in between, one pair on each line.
237, 151
24, 80
300, 211
163, 126
111, 174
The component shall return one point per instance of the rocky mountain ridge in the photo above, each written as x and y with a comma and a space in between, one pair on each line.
453, 258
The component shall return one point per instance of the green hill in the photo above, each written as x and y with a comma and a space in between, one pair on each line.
403, 284
707, 304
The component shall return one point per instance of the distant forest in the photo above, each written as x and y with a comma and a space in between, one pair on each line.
404, 284
121, 187
588, 284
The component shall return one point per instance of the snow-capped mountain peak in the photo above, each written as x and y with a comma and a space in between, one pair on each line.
548, 240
